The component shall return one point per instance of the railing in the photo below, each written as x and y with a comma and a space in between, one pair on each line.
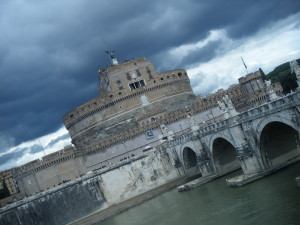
279, 104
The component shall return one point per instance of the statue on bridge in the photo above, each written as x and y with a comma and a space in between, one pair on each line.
222, 106
270, 91
228, 102
193, 124
268, 86
227, 107
295, 68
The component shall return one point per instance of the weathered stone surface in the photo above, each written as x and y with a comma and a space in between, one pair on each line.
95, 191
55, 207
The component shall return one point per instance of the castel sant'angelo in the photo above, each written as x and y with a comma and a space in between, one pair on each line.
136, 111
147, 132
134, 99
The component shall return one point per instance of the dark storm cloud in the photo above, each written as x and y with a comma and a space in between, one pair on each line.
10, 156
202, 54
50, 50
18, 153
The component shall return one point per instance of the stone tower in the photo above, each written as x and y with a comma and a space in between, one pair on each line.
132, 95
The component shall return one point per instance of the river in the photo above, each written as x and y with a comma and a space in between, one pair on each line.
273, 200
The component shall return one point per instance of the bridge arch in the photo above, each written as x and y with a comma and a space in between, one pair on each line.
279, 142
262, 123
224, 155
189, 157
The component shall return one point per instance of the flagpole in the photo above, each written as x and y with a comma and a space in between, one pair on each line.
42, 147
244, 64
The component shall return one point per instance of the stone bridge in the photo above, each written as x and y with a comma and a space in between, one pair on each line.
257, 140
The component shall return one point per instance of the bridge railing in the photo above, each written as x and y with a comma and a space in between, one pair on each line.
265, 109
281, 103
287, 101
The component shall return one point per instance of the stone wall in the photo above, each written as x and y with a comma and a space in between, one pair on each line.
58, 206
138, 176
95, 191
49, 177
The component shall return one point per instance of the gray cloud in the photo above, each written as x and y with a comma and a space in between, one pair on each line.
50, 50
55, 140
202, 54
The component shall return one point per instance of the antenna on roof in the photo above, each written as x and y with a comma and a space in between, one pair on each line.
244, 64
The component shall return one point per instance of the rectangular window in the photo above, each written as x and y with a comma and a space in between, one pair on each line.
137, 84
118, 81
149, 72
132, 87
138, 73
142, 83
128, 76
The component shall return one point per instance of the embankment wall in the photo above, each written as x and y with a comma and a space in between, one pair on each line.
93, 192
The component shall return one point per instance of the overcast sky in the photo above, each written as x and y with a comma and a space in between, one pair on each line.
50, 52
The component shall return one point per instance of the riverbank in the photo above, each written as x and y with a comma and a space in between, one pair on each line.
119, 208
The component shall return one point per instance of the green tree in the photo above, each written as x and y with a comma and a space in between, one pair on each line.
4, 192
282, 74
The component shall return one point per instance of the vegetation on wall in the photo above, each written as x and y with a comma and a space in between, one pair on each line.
4, 192
282, 74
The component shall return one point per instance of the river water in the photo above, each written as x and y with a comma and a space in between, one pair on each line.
273, 200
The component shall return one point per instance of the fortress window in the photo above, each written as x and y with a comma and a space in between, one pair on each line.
118, 81
142, 83
111, 96
154, 81
137, 84
138, 73
128, 76
168, 77
149, 72
132, 87
162, 78
179, 74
